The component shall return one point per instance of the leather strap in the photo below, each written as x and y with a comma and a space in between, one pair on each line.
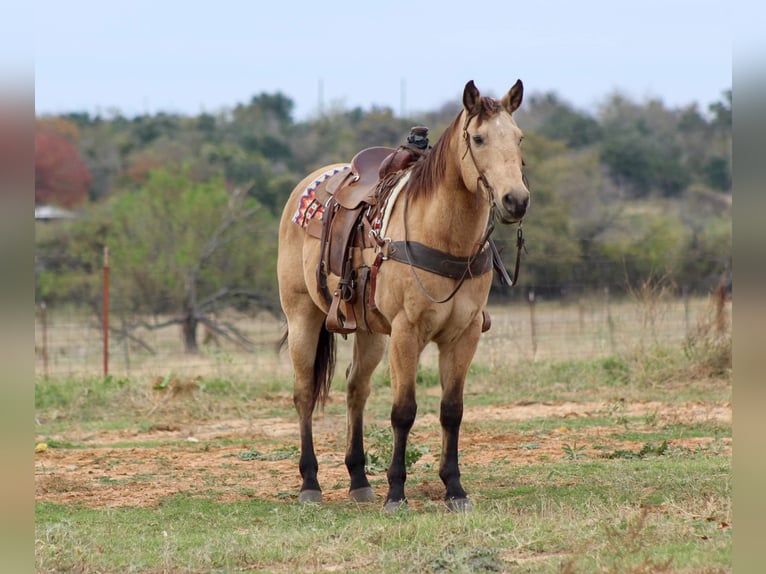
336, 322
374, 280
439, 262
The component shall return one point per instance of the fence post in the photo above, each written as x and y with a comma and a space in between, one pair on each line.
609, 320
532, 328
125, 342
44, 327
106, 312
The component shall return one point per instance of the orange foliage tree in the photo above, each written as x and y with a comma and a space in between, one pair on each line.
61, 176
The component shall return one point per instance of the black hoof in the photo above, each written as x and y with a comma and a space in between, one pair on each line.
314, 496
393, 506
364, 494
459, 505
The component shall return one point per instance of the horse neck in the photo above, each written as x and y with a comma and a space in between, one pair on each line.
455, 218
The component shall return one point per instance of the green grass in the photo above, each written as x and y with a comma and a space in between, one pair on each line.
589, 516
591, 507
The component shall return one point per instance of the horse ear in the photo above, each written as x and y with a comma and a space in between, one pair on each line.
512, 100
471, 98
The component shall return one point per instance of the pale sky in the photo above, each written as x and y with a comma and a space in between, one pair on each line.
185, 57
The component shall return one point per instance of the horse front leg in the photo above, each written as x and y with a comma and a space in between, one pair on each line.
454, 360
404, 354
368, 352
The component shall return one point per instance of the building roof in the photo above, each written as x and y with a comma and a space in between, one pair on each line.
53, 212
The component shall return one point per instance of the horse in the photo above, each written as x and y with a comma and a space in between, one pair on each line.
472, 176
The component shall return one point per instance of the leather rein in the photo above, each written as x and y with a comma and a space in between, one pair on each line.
486, 241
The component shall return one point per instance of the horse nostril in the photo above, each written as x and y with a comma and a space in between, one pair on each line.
516, 207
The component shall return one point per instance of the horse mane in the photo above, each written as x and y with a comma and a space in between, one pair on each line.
429, 173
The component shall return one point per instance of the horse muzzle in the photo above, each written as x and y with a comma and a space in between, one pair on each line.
514, 206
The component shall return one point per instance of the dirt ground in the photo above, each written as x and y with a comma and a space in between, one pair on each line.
103, 472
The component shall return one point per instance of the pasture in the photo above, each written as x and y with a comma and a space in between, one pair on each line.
596, 438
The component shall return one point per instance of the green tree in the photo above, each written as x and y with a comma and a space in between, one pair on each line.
641, 147
68, 260
190, 249
552, 248
555, 119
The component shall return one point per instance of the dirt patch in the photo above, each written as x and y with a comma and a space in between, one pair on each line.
211, 458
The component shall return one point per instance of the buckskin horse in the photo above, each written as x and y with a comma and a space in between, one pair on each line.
417, 269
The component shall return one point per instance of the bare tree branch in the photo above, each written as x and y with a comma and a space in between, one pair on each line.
261, 300
238, 338
125, 333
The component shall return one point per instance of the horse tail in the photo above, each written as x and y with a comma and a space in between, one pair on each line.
324, 365
282, 341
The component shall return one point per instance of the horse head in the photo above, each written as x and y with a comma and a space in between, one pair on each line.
490, 151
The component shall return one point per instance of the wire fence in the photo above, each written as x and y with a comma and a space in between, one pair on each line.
70, 340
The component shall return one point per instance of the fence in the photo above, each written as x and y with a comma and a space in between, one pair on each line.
70, 342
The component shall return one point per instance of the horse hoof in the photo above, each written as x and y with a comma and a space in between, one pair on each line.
364, 494
310, 496
459, 505
392, 506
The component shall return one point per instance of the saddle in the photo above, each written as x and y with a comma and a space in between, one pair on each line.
353, 196
356, 185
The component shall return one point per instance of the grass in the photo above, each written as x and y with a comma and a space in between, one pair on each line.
582, 516
617, 490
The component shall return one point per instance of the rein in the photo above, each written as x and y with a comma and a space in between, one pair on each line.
481, 181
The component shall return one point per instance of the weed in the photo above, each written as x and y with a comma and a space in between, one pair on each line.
650, 420
648, 449
282, 453
616, 370
653, 295
628, 540
573, 452
616, 409
709, 344
381, 447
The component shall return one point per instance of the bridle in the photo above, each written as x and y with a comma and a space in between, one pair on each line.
481, 182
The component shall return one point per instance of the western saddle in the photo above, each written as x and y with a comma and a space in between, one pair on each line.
352, 199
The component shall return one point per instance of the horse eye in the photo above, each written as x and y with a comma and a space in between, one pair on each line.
479, 139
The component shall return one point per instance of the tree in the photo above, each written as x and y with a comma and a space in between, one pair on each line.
192, 249
552, 248
61, 176
555, 119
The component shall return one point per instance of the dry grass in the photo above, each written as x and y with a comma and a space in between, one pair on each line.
588, 328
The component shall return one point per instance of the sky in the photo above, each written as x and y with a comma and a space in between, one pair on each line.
191, 57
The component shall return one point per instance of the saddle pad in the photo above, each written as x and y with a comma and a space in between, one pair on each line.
308, 206
381, 222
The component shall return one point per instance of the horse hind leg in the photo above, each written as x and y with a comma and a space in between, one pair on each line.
368, 352
312, 351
